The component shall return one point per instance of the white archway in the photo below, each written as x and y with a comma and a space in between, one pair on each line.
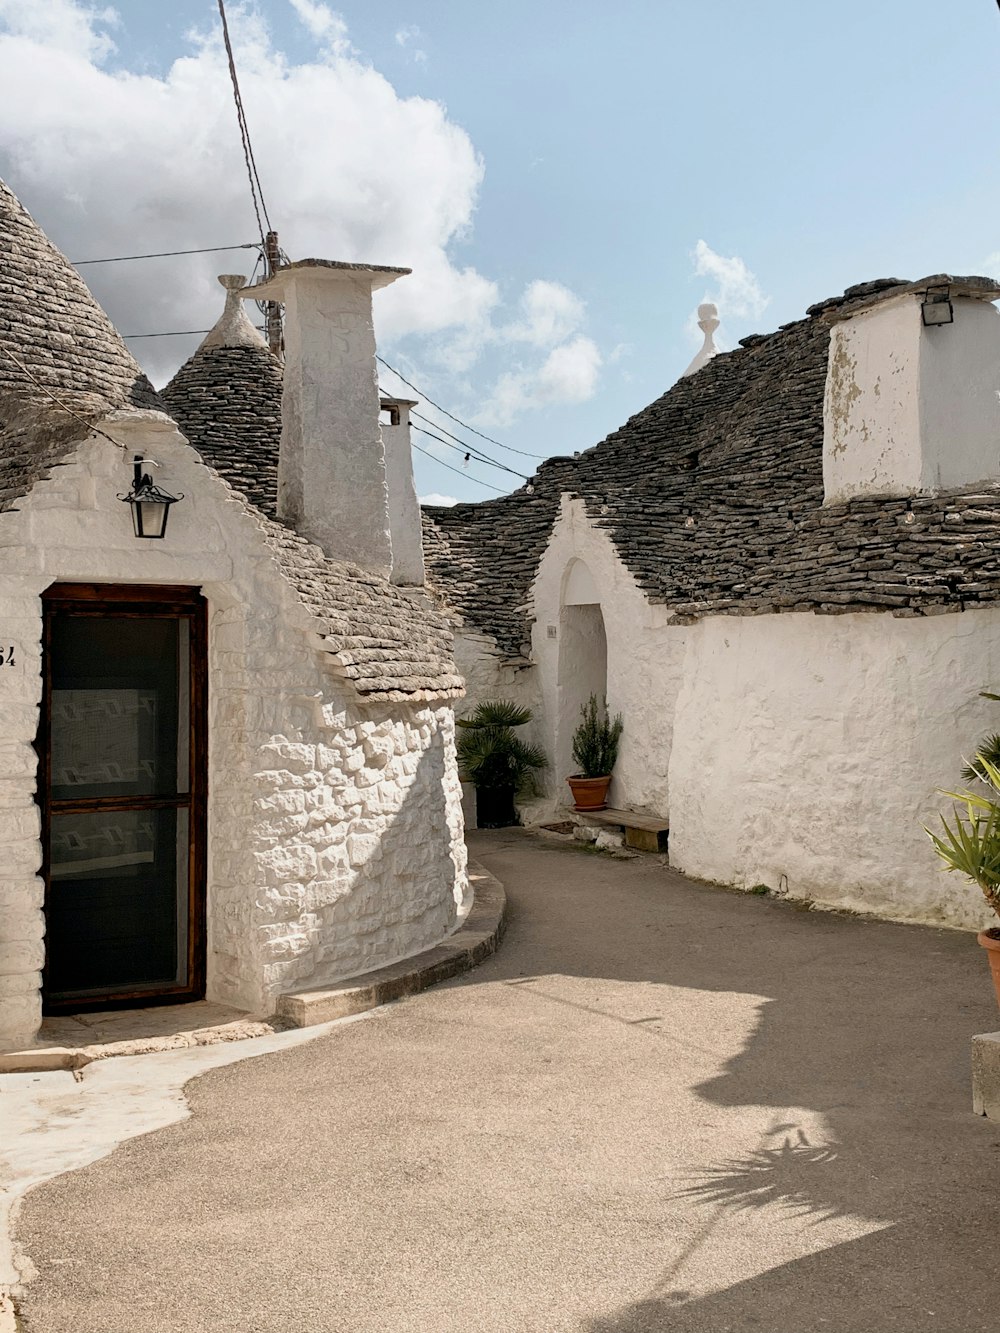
583, 659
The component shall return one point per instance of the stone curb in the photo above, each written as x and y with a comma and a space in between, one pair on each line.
75, 1057
476, 940
470, 944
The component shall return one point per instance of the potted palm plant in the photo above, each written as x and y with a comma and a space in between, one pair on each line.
971, 845
595, 750
496, 761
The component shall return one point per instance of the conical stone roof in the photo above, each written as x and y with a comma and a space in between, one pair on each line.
55, 343
64, 368
226, 399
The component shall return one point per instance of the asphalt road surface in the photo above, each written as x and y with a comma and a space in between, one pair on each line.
661, 1106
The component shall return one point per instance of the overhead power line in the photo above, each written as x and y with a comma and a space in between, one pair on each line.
179, 333
167, 254
458, 471
256, 193
458, 421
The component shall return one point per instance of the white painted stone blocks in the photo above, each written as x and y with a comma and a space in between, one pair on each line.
301, 773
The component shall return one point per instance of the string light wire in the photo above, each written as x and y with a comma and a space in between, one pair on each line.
471, 453
458, 471
458, 421
65, 407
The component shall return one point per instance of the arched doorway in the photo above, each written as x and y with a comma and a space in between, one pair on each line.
583, 660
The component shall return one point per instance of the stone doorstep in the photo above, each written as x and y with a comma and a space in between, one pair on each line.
75, 1057
475, 940
986, 1075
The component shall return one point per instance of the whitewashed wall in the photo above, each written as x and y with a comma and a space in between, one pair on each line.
808, 750
335, 830
644, 661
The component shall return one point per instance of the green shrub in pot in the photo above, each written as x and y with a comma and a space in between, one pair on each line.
595, 753
496, 761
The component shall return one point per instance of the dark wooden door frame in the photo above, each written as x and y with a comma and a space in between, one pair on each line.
99, 599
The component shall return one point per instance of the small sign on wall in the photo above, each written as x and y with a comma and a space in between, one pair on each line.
551, 631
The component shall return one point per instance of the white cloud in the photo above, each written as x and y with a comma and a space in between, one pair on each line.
435, 499
117, 163
323, 22
550, 313
408, 35
61, 25
734, 288
567, 375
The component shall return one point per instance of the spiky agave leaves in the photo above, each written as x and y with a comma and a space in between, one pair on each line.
989, 748
489, 753
971, 845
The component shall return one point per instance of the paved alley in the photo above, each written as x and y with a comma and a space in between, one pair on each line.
660, 1106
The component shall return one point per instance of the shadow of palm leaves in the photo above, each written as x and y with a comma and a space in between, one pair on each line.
796, 1175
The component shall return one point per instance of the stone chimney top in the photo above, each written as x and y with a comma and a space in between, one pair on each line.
378, 275
233, 328
708, 322
332, 482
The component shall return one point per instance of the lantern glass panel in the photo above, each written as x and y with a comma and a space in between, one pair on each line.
149, 517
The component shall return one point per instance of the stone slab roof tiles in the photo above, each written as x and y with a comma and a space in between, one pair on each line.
713, 498
56, 342
226, 399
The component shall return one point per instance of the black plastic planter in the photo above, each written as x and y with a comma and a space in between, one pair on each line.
495, 807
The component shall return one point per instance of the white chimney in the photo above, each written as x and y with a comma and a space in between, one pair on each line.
404, 508
331, 466
912, 401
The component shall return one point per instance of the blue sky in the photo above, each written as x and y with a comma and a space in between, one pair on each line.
552, 211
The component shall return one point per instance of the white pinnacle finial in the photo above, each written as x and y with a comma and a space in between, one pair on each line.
233, 328
708, 322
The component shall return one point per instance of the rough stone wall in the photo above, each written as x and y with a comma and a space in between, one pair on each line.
808, 751
334, 825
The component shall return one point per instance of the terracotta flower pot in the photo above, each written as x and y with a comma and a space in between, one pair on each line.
991, 943
589, 793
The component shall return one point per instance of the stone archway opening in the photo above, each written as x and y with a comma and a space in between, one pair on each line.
583, 660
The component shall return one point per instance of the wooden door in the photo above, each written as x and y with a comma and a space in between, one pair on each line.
122, 750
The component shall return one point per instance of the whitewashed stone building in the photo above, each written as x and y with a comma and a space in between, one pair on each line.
785, 574
227, 758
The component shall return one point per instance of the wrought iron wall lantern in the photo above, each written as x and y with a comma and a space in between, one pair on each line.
150, 505
936, 307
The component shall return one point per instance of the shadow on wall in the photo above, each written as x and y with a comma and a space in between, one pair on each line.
866, 1023
400, 896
